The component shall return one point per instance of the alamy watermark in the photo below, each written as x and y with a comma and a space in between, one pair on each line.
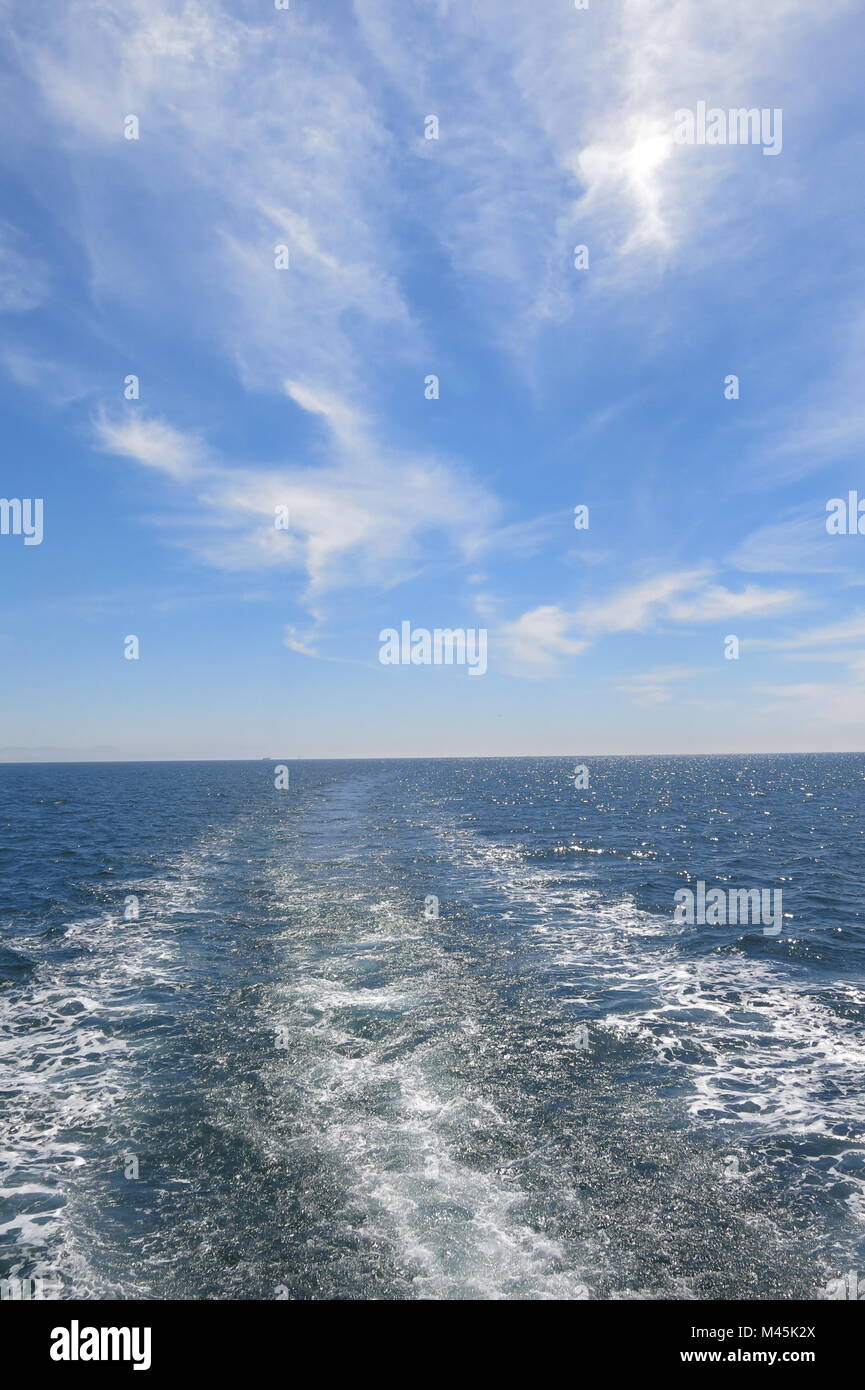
77, 1343
31, 1288
848, 1286
712, 125
730, 907
22, 516
446, 646
846, 516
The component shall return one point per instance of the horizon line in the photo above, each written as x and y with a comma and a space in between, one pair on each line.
421, 757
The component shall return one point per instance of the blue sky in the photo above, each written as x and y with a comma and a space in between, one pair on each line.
304, 387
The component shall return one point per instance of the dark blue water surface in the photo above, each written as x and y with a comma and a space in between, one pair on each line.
283, 1079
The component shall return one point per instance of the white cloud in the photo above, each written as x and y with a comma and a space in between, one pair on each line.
258, 130
534, 641
556, 129
154, 443
631, 609
346, 423
359, 520
715, 603
298, 642
681, 597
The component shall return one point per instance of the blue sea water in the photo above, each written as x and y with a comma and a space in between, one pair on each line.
284, 1079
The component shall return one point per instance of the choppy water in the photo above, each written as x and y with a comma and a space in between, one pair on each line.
330, 1095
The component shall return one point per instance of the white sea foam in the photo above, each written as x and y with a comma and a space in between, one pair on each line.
70, 1071
394, 1126
759, 1048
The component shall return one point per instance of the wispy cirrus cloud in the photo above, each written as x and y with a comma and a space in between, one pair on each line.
825, 423
298, 641
24, 279
555, 127
535, 641
631, 608
261, 130
154, 443
717, 603
576, 143
685, 596
657, 687
849, 629
60, 382
827, 703
798, 544
366, 517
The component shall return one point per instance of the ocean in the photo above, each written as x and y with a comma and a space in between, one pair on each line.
429, 1029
